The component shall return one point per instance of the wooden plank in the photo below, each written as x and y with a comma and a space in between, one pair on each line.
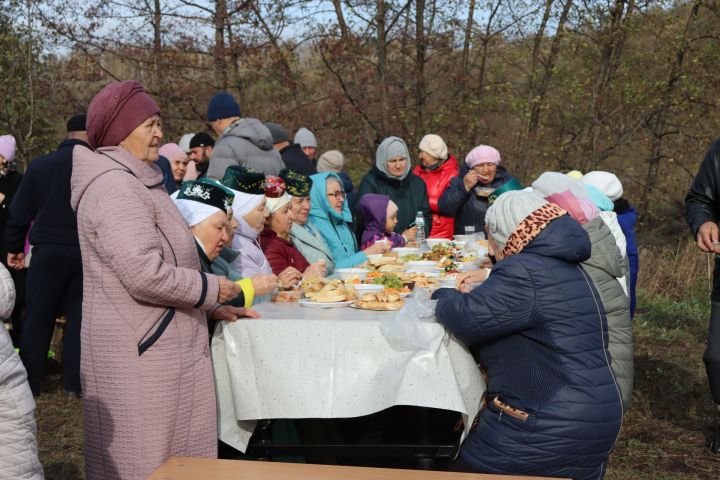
185, 468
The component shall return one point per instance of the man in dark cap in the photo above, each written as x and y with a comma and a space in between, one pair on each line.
54, 280
201, 147
292, 154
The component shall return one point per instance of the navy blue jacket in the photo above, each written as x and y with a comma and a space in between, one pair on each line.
43, 200
295, 159
539, 329
627, 218
468, 208
168, 179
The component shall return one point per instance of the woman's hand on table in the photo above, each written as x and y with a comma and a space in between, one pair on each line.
315, 270
229, 313
466, 279
289, 277
264, 284
228, 290
485, 262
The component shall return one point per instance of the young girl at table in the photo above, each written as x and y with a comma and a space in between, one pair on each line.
379, 214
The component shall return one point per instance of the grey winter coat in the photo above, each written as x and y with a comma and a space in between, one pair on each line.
248, 143
312, 247
607, 269
18, 442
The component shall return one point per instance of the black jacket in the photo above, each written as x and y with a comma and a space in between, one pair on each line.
295, 159
702, 203
466, 207
43, 200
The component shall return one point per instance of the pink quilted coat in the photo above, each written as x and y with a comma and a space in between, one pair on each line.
139, 259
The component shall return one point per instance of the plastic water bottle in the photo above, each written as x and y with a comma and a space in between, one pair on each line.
420, 224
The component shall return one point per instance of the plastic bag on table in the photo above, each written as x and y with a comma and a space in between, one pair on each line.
408, 328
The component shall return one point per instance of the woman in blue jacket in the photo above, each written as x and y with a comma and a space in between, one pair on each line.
539, 329
330, 215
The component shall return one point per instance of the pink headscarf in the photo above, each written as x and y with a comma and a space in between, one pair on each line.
116, 111
172, 151
567, 193
482, 154
7, 147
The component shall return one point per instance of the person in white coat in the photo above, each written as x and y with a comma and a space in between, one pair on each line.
18, 432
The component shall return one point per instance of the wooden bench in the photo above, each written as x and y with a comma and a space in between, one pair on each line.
185, 468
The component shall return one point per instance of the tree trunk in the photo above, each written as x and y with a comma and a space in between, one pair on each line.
220, 20
381, 52
466, 40
661, 114
539, 90
344, 31
420, 52
609, 60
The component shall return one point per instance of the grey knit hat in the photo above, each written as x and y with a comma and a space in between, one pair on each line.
511, 208
305, 138
331, 161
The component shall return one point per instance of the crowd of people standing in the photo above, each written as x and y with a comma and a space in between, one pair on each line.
150, 243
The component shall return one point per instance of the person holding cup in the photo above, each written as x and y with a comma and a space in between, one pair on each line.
466, 197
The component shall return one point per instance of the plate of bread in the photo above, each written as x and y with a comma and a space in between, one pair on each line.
324, 293
387, 300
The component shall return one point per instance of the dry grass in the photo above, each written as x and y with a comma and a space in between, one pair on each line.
665, 433
675, 272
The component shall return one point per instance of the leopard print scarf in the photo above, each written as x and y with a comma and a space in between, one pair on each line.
531, 227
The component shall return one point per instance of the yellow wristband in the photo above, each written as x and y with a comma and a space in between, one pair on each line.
248, 291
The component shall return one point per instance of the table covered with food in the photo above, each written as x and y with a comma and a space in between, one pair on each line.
323, 350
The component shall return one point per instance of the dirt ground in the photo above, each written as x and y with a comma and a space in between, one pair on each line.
664, 435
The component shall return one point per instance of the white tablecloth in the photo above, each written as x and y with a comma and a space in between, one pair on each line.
297, 362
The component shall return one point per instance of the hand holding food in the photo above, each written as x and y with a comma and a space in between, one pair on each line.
317, 269
410, 234
264, 284
707, 236
471, 179
228, 290
290, 276
377, 247
465, 279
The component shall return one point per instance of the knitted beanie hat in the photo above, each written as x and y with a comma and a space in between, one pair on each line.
608, 183
434, 146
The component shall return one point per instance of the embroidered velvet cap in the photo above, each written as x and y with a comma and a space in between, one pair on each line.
244, 180
296, 184
199, 199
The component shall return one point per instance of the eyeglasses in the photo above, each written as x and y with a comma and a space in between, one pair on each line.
338, 195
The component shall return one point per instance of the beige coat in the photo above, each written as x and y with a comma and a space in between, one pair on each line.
139, 259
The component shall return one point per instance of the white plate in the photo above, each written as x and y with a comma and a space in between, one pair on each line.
350, 273
427, 273
401, 251
367, 287
310, 304
437, 241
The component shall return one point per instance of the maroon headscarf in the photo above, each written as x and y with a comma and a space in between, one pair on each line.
116, 111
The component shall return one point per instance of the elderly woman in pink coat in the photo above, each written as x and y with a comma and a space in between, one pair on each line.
147, 380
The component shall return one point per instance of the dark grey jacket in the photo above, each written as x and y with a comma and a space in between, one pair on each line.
248, 143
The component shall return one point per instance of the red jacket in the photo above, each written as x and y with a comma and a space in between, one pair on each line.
436, 181
280, 253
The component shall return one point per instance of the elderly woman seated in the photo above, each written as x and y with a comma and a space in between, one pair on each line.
330, 215
206, 207
252, 192
540, 332
275, 239
306, 239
